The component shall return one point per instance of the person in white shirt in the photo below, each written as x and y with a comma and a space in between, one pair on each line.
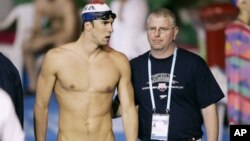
129, 36
10, 128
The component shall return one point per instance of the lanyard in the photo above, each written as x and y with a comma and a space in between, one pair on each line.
169, 85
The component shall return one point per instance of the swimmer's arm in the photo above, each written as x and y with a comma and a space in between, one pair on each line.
45, 86
126, 96
116, 110
210, 118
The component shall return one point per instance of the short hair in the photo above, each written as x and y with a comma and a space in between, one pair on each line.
83, 28
165, 13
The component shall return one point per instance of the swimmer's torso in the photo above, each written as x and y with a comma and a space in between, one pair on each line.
84, 90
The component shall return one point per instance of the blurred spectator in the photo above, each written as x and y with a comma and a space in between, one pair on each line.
129, 27
11, 83
22, 17
5, 8
215, 18
238, 65
10, 129
56, 22
187, 37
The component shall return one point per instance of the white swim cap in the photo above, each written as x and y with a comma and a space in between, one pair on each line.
95, 7
96, 10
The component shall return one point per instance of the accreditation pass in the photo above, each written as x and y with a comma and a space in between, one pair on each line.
160, 123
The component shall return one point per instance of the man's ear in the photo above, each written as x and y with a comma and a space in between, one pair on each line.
176, 32
88, 26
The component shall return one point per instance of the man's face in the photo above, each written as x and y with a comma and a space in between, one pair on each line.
102, 30
161, 32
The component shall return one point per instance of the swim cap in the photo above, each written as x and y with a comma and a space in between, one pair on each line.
97, 10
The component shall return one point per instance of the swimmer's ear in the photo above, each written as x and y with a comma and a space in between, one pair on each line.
88, 25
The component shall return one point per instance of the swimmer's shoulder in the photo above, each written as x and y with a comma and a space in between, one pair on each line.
60, 51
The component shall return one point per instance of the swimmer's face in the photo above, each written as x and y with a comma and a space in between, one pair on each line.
102, 30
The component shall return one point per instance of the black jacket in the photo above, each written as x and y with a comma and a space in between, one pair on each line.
10, 81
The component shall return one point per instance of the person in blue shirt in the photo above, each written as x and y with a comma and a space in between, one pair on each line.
174, 89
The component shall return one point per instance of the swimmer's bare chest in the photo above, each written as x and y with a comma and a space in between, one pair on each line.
85, 94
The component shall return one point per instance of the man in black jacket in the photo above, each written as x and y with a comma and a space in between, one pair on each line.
10, 81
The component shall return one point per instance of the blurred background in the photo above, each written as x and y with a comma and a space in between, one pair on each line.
202, 26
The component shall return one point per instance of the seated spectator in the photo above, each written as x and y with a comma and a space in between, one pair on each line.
129, 27
56, 22
21, 18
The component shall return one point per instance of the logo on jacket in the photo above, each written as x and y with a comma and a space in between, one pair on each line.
162, 79
162, 87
